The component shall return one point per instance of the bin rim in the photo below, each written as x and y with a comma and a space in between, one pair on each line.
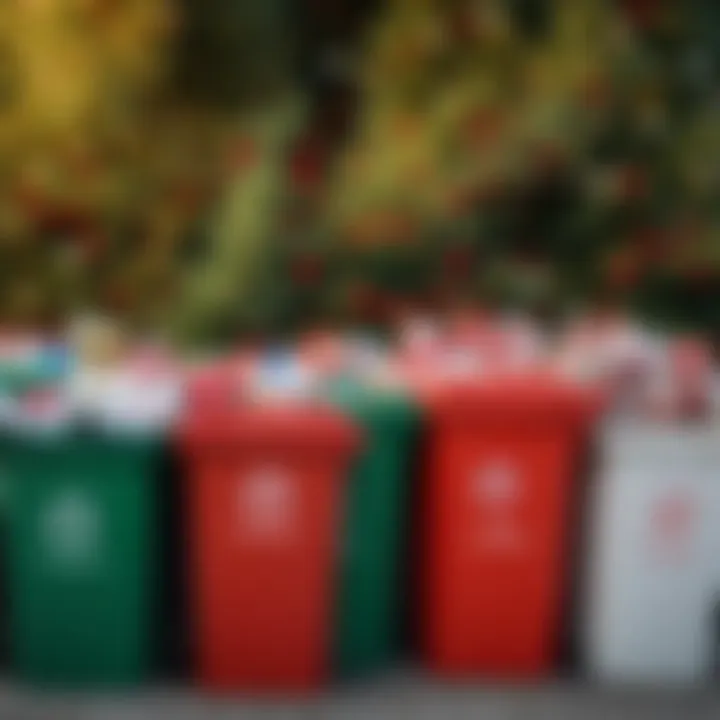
319, 426
364, 401
57, 436
517, 399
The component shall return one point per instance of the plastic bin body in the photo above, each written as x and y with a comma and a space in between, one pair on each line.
501, 459
653, 593
4, 497
375, 523
264, 494
81, 559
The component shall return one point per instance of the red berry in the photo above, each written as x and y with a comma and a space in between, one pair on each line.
306, 271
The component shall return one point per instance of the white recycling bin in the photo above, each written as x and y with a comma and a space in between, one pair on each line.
653, 593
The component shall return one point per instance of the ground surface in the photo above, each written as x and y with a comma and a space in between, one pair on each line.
403, 697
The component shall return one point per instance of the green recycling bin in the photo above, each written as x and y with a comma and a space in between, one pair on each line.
80, 557
4, 488
367, 629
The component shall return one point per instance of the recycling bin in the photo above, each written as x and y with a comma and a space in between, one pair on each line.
80, 557
368, 622
264, 489
4, 492
652, 601
501, 458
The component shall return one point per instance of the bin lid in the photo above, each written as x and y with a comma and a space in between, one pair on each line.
75, 436
313, 427
373, 405
516, 399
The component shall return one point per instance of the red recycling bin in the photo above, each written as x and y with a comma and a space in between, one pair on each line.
501, 458
264, 486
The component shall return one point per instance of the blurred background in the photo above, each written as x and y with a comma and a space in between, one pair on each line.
216, 168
